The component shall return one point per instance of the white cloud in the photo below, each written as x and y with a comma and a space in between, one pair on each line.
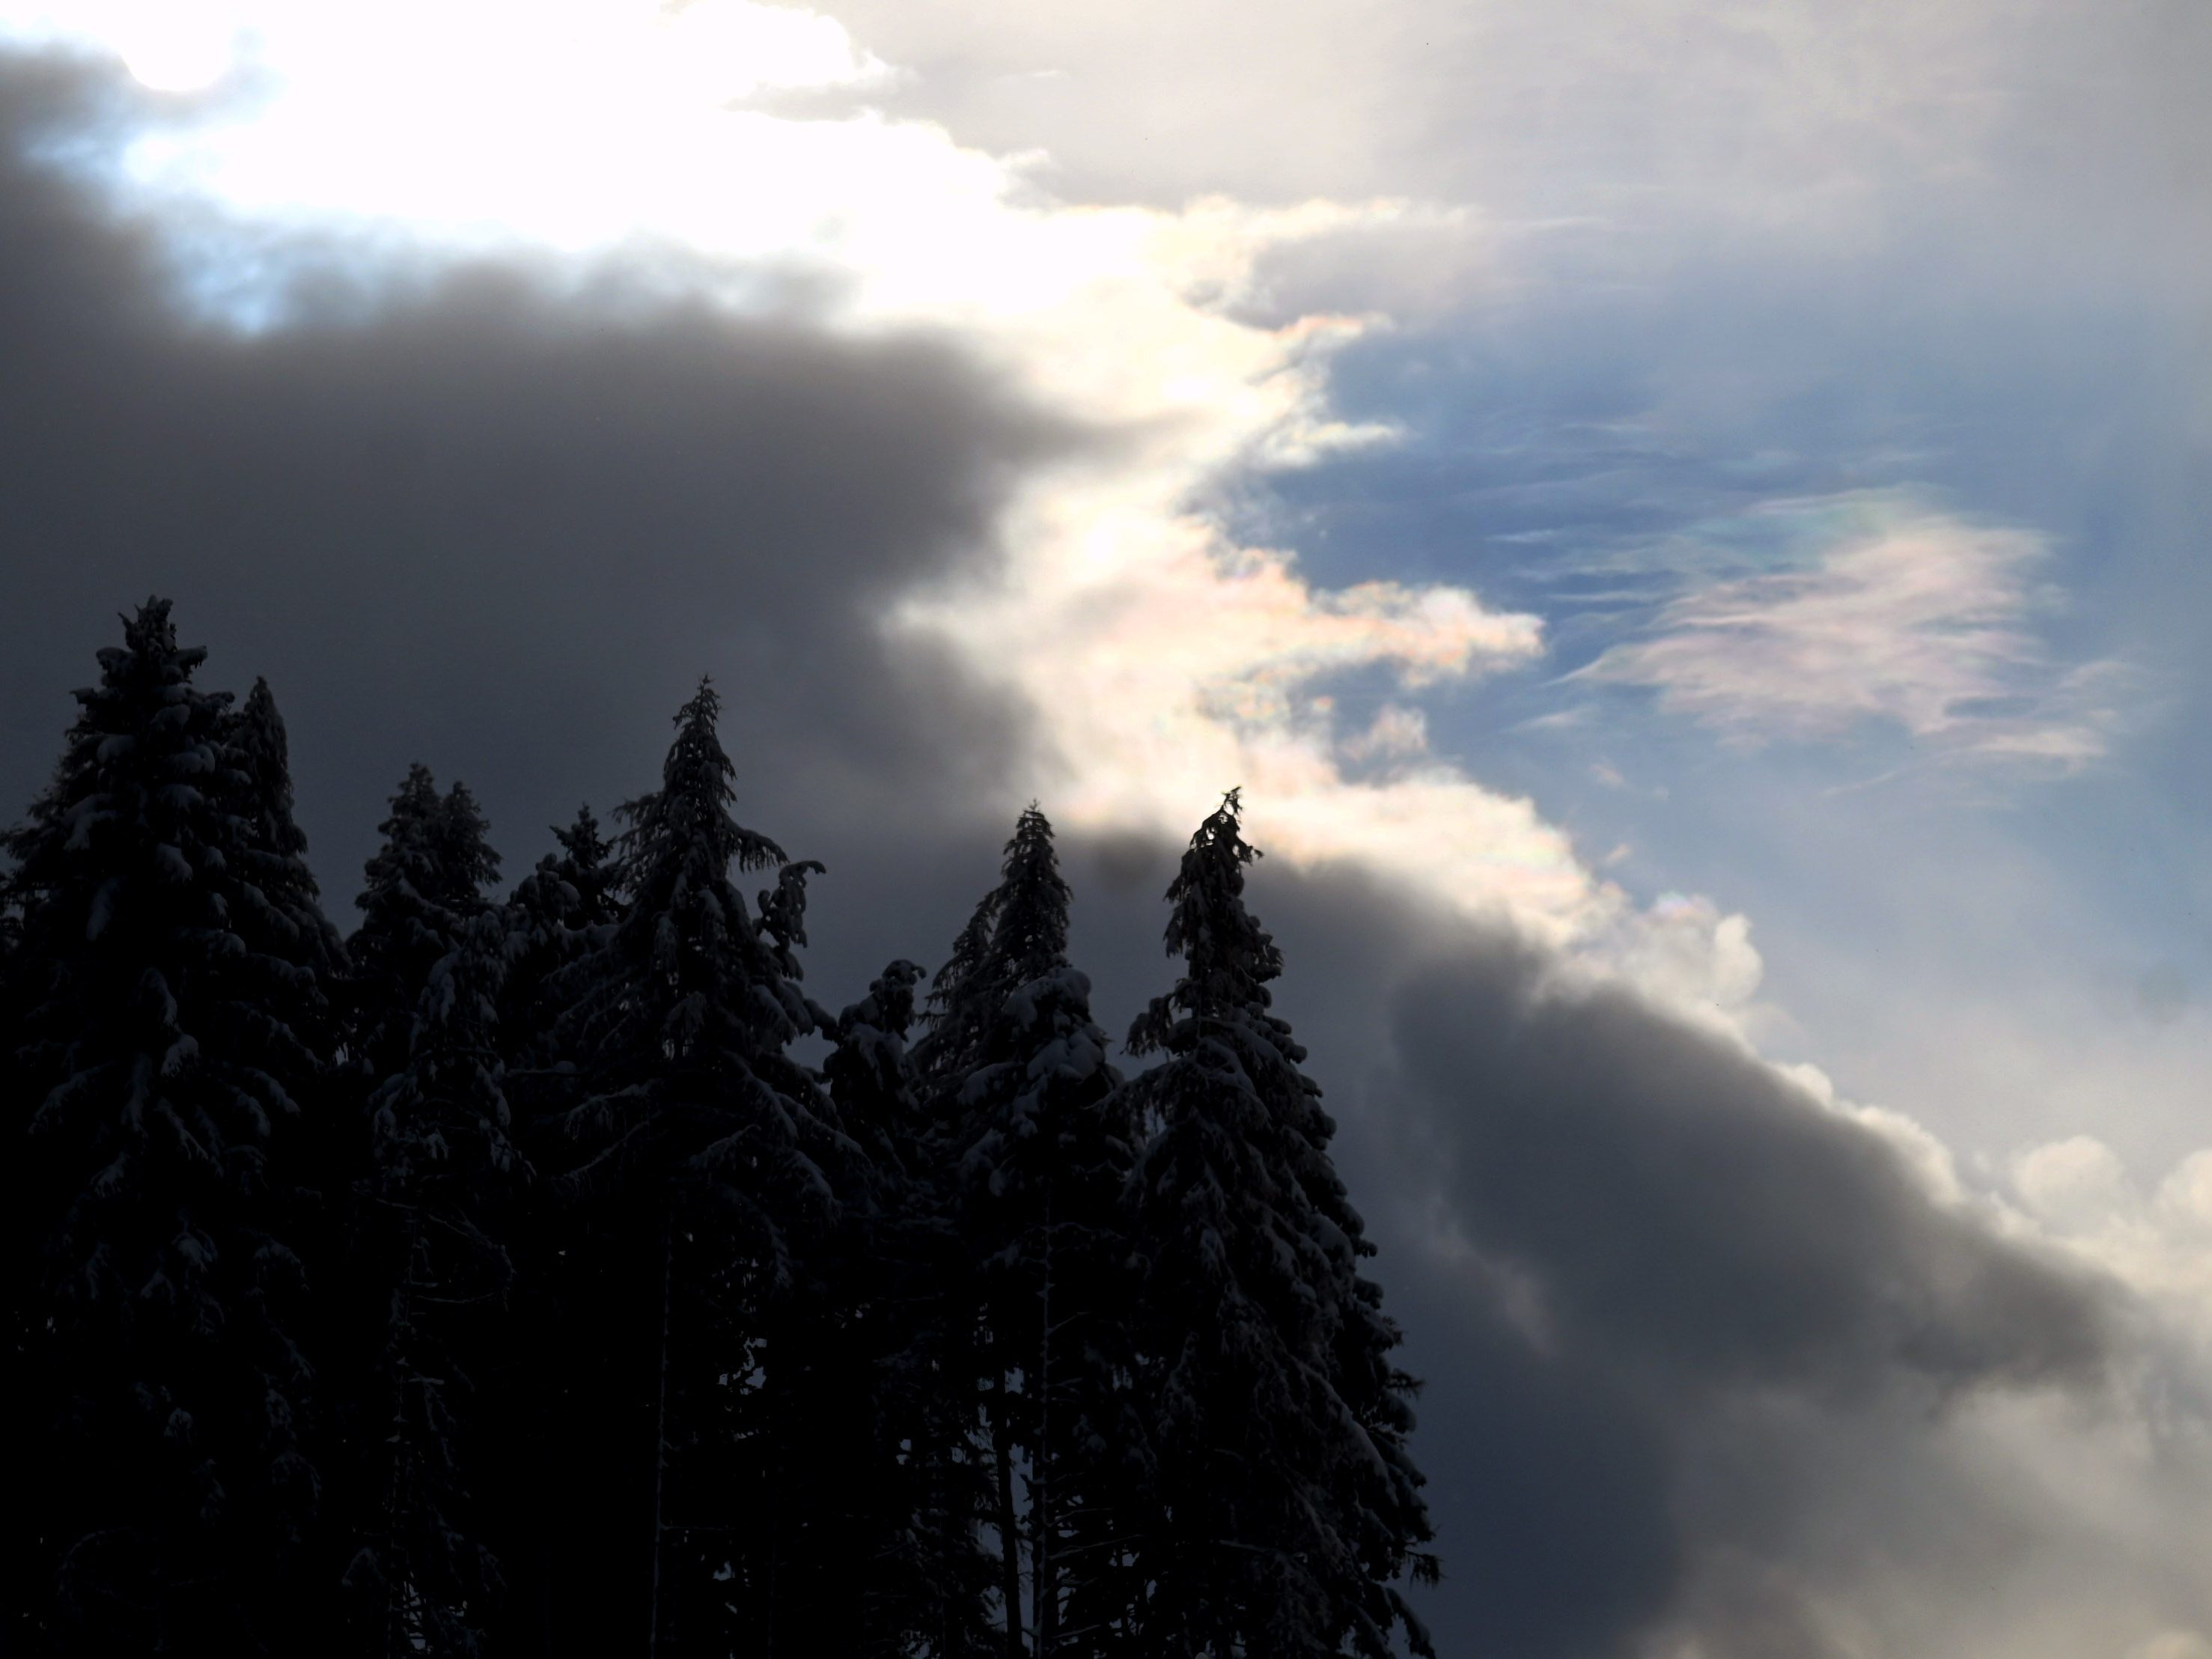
1395, 732
2159, 1241
1168, 660
1907, 618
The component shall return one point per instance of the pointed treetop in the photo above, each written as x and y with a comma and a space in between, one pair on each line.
261, 730
435, 853
470, 864
689, 812
1029, 934
584, 864
581, 842
283, 901
1018, 932
264, 752
1228, 955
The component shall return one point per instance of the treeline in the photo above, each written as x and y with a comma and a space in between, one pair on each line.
498, 1280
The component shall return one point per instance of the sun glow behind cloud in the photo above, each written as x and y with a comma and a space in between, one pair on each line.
1168, 661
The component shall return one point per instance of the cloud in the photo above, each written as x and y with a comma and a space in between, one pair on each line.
1161, 656
1720, 1366
497, 531
2159, 1240
1905, 618
1616, 124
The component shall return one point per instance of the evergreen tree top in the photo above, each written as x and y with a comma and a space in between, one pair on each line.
147, 763
574, 888
284, 901
1282, 1417
583, 850
1029, 934
405, 865
149, 647
868, 1073
262, 742
470, 864
688, 819
1017, 934
434, 857
681, 1015
1228, 956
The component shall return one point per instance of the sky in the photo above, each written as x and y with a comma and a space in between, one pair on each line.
1684, 520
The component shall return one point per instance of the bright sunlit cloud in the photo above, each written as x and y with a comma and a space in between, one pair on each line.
1166, 659
1169, 658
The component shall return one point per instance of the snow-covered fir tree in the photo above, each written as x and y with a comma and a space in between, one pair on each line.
1286, 1508
445, 1174
554, 916
161, 1473
1040, 1144
705, 1152
684, 1020
429, 876
961, 1347
907, 1462
285, 903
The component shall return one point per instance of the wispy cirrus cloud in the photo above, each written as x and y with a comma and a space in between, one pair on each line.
1903, 616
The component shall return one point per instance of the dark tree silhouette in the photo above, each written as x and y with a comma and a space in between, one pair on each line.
444, 1175
910, 1464
1041, 1143
168, 1008
1284, 1506
427, 879
960, 1346
707, 1151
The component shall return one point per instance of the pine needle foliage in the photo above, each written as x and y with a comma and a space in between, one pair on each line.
1285, 1508
161, 1025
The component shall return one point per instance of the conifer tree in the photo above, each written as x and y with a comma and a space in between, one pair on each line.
690, 1005
707, 1150
285, 904
428, 878
1039, 1146
553, 918
444, 1174
319, 1147
585, 867
905, 1461
160, 1047
23, 1593
1286, 1505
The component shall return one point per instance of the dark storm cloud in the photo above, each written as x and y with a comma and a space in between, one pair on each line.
473, 523
1688, 1338
1726, 1233
1675, 1318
